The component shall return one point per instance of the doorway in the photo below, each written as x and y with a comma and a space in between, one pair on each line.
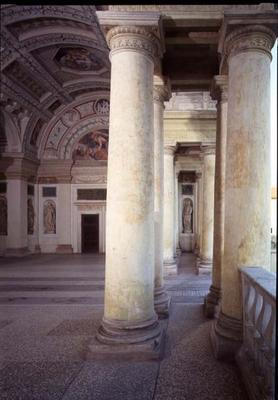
90, 233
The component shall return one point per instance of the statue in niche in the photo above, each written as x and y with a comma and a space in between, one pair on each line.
30, 216
3, 216
187, 215
49, 217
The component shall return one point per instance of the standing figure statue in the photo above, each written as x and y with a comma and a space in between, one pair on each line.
187, 215
49, 217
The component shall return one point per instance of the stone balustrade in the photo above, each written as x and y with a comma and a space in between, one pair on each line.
256, 358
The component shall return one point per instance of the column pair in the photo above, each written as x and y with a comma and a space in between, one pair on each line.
129, 314
247, 177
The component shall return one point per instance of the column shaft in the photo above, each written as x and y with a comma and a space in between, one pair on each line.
17, 217
247, 179
170, 266
204, 265
199, 211
219, 92
161, 299
129, 315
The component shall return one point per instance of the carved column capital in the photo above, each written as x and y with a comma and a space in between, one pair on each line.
249, 38
169, 150
208, 150
198, 175
135, 38
219, 88
161, 91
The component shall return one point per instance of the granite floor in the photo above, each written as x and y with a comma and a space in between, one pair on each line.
50, 308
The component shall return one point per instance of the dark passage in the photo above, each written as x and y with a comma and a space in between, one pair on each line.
90, 233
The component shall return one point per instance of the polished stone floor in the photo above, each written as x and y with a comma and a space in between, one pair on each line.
51, 306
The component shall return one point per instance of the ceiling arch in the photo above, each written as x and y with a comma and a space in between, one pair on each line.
51, 56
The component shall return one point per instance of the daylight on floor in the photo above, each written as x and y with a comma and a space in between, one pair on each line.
138, 202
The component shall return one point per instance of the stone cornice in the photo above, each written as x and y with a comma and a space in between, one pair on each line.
55, 171
19, 168
136, 38
219, 88
249, 38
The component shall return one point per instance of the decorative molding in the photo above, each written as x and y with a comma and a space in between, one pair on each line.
186, 8
42, 75
15, 13
249, 38
11, 90
89, 179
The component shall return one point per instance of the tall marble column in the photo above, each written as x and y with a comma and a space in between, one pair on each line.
129, 315
177, 216
170, 265
199, 211
161, 298
247, 178
219, 93
204, 263
17, 244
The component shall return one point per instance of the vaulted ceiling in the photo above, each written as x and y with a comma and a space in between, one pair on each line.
50, 55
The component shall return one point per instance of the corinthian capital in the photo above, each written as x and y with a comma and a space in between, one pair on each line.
250, 38
161, 90
219, 88
137, 38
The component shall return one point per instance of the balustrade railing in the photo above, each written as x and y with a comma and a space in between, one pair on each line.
256, 357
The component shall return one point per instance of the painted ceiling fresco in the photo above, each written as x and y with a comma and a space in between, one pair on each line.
93, 146
78, 58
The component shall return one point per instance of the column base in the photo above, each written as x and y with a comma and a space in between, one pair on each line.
18, 252
203, 266
161, 302
170, 267
37, 249
64, 249
128, 341
211, 301
178, 251
196, 251
226, 337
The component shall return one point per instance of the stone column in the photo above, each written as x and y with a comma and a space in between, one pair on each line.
199, 211
247, 178
129, 315
204, 263
219, 93
177, 216
161, 298
64, 218
17, 244
170, 265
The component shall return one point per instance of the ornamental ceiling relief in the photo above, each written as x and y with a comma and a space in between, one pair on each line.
80, 132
